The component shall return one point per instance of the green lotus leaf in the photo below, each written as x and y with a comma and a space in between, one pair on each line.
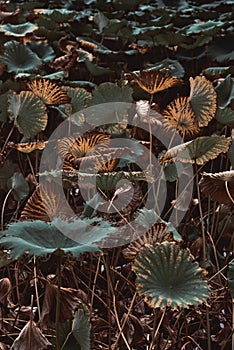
78, 97
82, 84
199, 151
173, 171
6, 172
96, 70
4, 105
46, 22
169, 276
110, 92
94, 45
225, 116
57, 75
225, 92
57, 15
28, 113
230, 277
217, 72
19, 58
101, 20
197, 41
205, 28
40, 238
43, 50
202, 100
19, 186
104, 110
79, 337
18, 30
223, 49
172, 66
170, 38
148, 217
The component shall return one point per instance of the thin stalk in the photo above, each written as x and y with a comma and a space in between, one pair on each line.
109, 290
202, 221
59, 270
94, 282
155, 332
124, 322
208, 328
3, 208
7, 139
35, 285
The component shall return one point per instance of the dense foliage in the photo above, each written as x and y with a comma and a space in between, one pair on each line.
76, 78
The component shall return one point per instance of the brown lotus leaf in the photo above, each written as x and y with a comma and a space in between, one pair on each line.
31, 338
5, 293
10, 17
179, 115
44, 204
65, 45
220, 186
152, 81
49, 92
222, 336
4, 346
69, 301
87, 45
65, 62
156, 234
26, 312
27, 147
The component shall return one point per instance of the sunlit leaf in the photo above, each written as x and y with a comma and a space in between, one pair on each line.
153, 81
199, 151
27, 147
49, 92
73, 148
202, 99
220, 186
169, 276
19, 58
156, 234
18, 30
180, 116
42, 205
28, 113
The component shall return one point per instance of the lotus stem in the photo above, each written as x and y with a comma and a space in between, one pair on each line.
58, 347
